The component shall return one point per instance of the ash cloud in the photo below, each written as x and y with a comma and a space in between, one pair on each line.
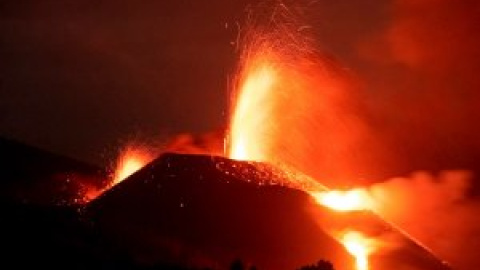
421, 70
422, 73
437, 210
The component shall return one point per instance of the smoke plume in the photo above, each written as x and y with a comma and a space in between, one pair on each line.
437, 210
421, 70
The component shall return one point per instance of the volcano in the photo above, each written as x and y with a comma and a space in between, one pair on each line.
206, 210
195, 209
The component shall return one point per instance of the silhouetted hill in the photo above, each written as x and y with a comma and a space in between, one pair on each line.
32, 175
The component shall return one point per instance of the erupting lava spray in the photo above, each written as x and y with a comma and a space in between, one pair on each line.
131, 159
255, 93
293, 104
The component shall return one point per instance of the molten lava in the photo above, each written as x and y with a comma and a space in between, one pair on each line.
255, 93
131, 159
344, 200
359, 246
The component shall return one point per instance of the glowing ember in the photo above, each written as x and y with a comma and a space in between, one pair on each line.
348, 200
130, 160
359, 246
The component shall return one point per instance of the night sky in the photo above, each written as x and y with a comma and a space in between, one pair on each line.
78, 76
81, 77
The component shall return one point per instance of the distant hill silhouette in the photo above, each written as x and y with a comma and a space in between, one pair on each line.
32, 175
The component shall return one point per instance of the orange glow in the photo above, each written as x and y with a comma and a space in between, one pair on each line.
251, 111
356, 244
360, 248
293, 105
130, 160
348, 200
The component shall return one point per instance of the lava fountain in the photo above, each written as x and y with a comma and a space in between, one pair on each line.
255, 93
293, 104
131, 159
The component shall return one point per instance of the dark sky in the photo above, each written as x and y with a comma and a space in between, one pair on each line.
78, 77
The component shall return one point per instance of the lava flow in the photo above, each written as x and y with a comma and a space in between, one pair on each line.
359, 247
357, 244
344, 200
